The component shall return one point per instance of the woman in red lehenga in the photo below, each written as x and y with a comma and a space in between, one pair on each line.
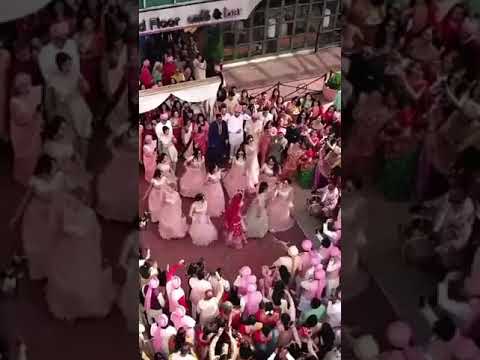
234, 225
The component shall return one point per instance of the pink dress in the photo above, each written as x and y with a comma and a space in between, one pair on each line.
155, 198
193, 180
253, 167
79, 286
25, 132
214, 195
202, 231
172, 224
41, 221
236, 178
117, 189
279, 210
150, 159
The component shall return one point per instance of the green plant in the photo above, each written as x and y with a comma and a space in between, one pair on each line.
334, 82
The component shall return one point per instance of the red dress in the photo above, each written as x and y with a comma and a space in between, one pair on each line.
169, 70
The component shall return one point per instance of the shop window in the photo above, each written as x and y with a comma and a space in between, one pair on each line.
313, 26
329, 15
272, 27
298, 42
284, 43
275, 4
300, 26
259, 18
228, 26
258, 33
228, 53
310, 40
241, 51
288, 13
302, 12
317, 9
256, 49
228, 39
270, 46
242, 36
151, 3
286, 29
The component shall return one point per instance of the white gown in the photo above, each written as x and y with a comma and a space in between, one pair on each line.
71, 103
202, 231
78, 285
253, 167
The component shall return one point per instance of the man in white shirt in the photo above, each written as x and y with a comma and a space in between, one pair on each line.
59, 42
235, 125
208, 308
164, 121
199, 287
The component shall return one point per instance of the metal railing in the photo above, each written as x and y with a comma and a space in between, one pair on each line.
303, 87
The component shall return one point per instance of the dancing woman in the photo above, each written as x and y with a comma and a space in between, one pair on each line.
234, 225
202, 231
214, 191
280, 208
257, 217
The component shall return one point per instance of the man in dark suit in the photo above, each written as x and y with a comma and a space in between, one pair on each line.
218, 146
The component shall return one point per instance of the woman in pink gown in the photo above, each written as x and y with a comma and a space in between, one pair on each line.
269, 173
149, 157
25, 127
154, 194
280, 208
214, 192
79, 286
236, 178
192, 181
172, 224
202, 231
165, 166
117, 189
253, 167
41, 213
234, 225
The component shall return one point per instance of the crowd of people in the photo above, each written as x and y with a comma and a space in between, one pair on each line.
292, 312
252, 146
411, 112
177, 60
239, 167
67, 74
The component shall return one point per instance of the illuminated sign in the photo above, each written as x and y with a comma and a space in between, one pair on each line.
177, 17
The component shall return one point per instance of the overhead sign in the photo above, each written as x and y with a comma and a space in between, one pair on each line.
174, 18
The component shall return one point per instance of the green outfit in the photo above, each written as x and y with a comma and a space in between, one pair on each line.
305, 178
397, 177
319, 313
338, 100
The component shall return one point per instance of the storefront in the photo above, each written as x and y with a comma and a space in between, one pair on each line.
246, 28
